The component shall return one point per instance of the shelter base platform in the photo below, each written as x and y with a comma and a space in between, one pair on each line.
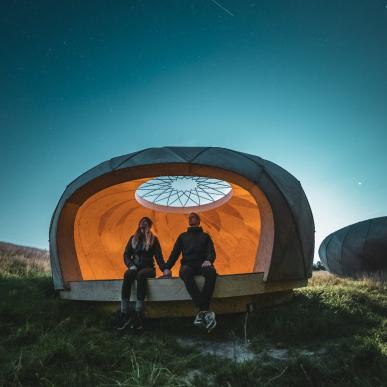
167, 297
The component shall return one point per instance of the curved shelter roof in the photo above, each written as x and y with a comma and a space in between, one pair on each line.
357, 248
266, 226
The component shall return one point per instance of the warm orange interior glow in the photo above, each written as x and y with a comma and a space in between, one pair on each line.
106, 220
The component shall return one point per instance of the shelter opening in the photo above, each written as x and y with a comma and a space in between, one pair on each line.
106, 219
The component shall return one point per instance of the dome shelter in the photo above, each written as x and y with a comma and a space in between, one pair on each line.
357, 248
256, 213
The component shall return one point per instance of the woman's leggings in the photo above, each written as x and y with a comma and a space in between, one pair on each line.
141, 276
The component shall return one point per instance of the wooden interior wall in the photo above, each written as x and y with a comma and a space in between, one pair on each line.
105, 221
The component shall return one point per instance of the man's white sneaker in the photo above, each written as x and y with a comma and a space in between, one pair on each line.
209, 321
199, 319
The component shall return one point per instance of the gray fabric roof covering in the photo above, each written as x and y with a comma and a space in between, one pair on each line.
293, 249
360, 247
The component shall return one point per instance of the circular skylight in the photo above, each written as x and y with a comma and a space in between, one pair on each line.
183, 193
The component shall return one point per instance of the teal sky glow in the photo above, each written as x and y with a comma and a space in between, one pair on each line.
300, 83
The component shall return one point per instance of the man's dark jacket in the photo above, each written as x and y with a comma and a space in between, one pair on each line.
196, 247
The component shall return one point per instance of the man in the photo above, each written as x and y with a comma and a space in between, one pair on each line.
198, 253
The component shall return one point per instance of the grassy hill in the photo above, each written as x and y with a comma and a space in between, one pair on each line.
333, 333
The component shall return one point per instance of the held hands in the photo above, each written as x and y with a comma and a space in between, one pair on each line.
133, 267
167, 273
206, 263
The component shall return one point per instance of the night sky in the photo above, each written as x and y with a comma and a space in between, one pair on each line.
300, 83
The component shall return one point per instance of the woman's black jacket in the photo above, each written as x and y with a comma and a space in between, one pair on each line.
142, 258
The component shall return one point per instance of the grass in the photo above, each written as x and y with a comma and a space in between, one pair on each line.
333, 333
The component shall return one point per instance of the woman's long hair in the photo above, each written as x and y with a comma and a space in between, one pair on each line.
143, 240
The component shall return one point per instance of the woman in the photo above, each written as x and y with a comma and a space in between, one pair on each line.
142, 247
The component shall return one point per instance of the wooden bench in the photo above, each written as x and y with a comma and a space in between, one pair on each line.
169, 297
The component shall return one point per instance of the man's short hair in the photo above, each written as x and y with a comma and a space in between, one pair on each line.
195, 214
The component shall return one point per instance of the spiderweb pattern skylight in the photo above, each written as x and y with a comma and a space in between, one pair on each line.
183, 192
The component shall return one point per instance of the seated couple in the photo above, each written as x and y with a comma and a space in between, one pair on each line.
198, 255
